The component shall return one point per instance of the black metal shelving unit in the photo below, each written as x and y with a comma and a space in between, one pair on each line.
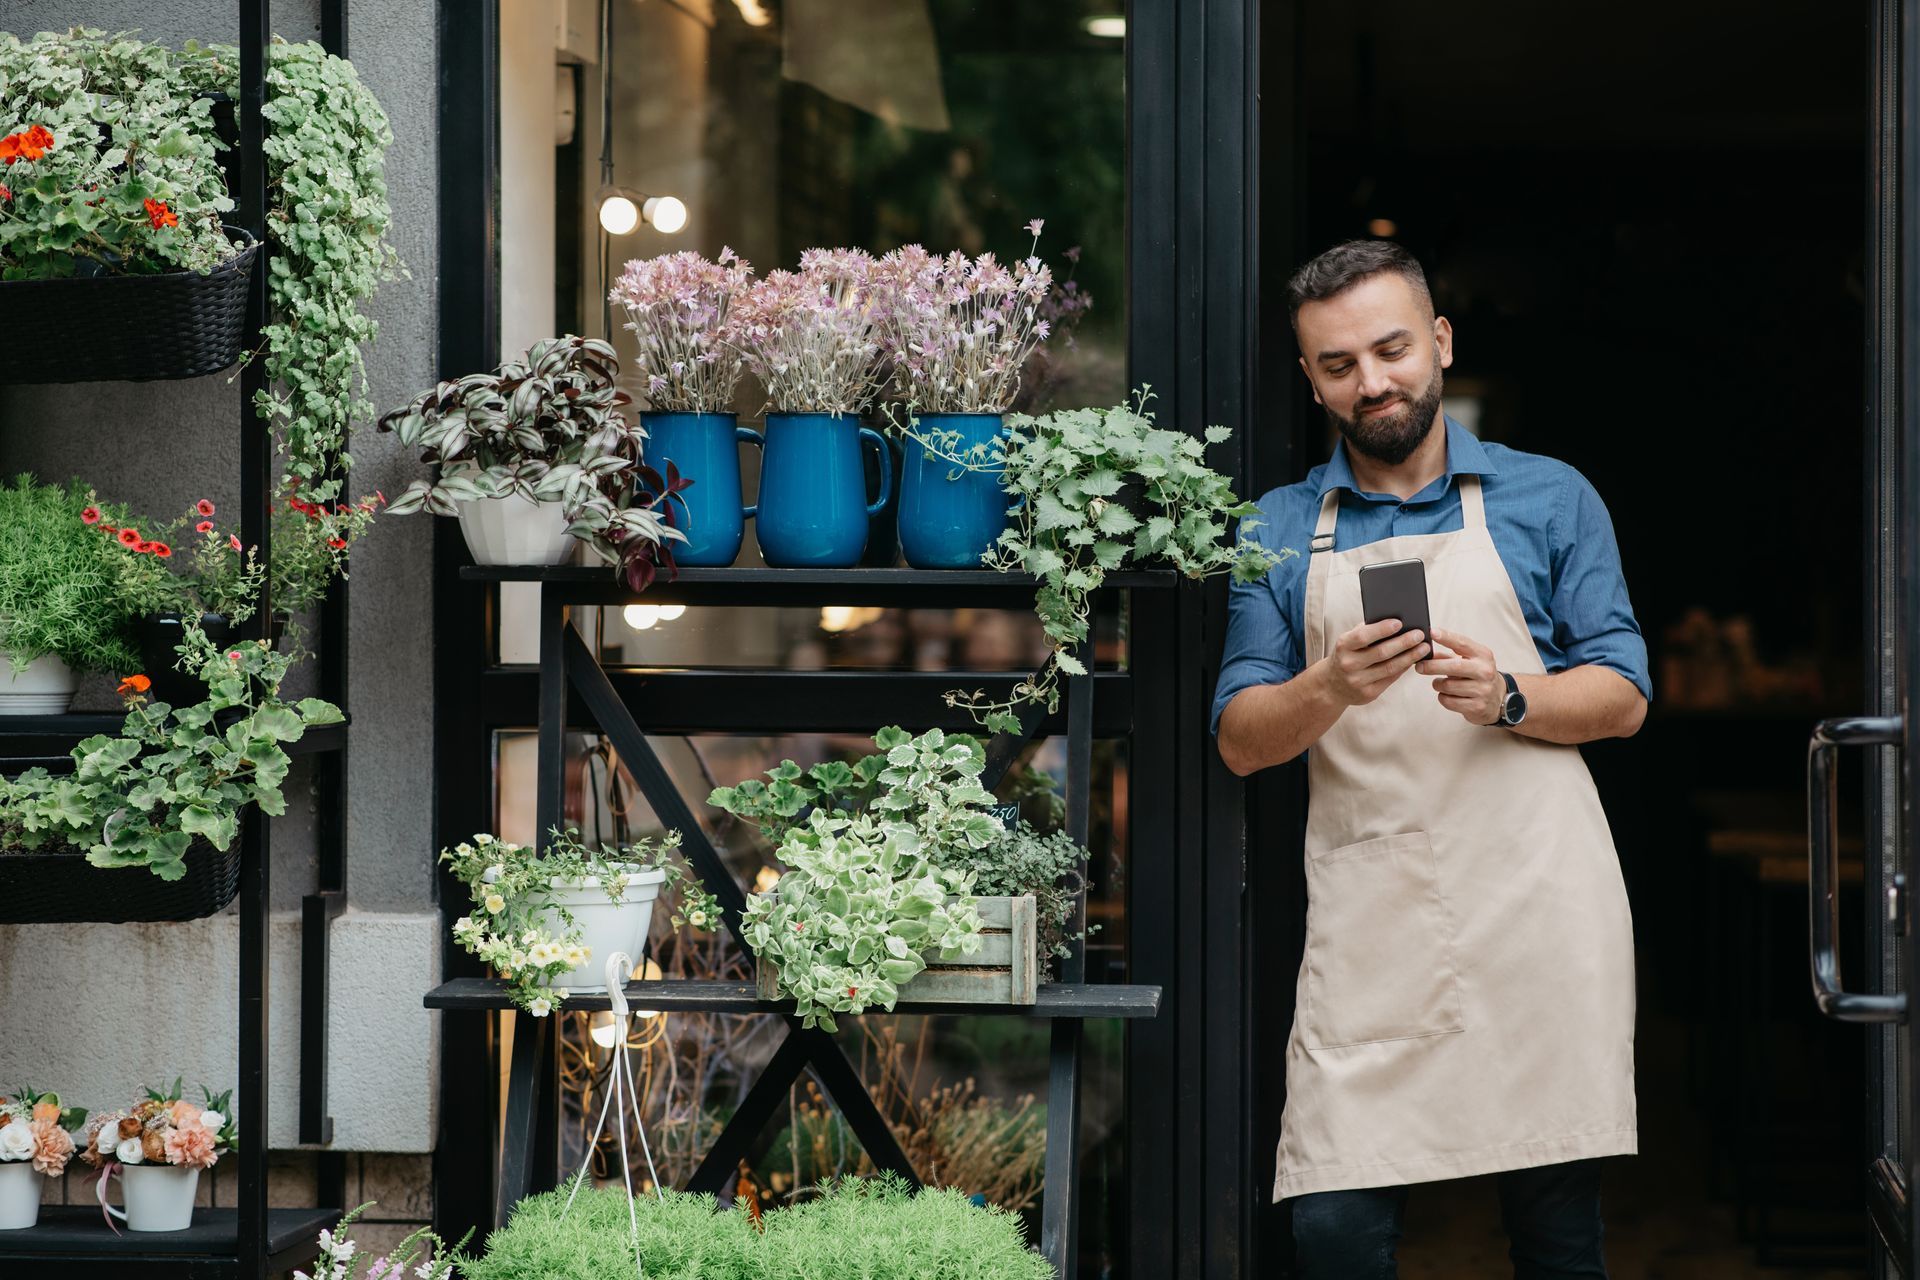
247, 1240
572, 688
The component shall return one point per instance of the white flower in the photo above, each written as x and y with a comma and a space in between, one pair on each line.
697, 919
16, 1141
575, 957
483, 839
517, 960
540, 1007
561, 993
129, 1152
493, 873
464, 849
495, 904
214, 1121
463, 926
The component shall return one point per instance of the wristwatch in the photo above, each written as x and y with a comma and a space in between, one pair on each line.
1513, 708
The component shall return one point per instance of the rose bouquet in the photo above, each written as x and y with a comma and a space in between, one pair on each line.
957, 331
812, 336
164, 1129
681, 308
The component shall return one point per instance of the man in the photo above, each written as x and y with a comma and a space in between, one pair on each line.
1465, 1003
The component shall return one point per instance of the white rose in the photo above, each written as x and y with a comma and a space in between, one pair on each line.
129, 1152
16, 1141
214, 1121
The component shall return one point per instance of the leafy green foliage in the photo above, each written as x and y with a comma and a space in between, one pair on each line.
128, 136
548, 428
1075, 470
855, 1230
57, 581
172, 774
1023, 861
515, 925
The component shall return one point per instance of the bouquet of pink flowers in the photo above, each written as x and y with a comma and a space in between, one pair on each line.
811, 335
163, 1128
681, 308
957, 331
33, 1127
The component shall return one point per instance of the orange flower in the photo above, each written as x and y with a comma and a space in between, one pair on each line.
130, 537
52, 1145
160, 549
46, 1111
205, 526
159, 215
10, 148
134, 684
41, 138
338, 544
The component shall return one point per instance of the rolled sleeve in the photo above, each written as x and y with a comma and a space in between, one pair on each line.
1593, 622
1261, 647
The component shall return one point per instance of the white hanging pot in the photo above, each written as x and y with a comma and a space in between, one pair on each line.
513, 530
19, 1195
605, 926
44, 687
159, 1196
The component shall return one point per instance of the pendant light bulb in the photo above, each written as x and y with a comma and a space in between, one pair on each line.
666, 213
619, 215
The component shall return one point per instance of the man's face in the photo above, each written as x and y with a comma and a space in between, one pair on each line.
1374, 354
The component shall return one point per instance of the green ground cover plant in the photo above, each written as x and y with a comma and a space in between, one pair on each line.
57, 581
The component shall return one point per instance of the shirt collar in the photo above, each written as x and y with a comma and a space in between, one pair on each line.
1466, 456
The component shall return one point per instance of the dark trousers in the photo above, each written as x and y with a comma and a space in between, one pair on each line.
1551, 1215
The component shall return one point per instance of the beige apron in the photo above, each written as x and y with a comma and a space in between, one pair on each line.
1465, 1004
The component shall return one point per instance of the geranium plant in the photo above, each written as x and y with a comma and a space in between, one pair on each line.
681, 309
527, 937
812, 336
172, 774
849, 920
107, 160
548, 428
58, 581
1097, 490
35, 1127
958, 331
163, 1128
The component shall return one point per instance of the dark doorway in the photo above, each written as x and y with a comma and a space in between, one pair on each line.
1647, 223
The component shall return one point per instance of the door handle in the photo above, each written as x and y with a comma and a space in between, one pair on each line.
1823, 866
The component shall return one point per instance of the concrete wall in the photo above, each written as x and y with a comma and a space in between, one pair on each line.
161, 999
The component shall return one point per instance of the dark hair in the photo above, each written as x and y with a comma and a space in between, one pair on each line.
1345, 265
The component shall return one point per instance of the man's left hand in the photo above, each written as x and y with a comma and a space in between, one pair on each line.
1469, 684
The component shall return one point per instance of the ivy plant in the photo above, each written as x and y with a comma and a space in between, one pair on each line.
860, 905
173, 774
1096, 490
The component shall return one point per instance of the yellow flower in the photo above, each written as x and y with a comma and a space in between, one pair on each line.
495, 904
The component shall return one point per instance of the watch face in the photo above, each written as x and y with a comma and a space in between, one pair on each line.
1515, 709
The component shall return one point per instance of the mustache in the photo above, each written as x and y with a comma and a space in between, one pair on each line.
1376, 402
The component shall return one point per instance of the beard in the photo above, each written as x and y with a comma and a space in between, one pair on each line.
1391, 439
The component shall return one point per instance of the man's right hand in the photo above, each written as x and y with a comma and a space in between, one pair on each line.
1368, 659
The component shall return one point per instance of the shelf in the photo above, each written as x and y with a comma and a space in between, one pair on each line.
72, 1242
926, 588
1056, 1000
46, 740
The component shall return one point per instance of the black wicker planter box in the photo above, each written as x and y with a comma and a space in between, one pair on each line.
125, 328
64, 888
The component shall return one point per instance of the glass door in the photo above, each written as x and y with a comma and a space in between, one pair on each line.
1885, 733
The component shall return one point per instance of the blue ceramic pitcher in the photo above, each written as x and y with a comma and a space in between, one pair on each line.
949, 515
703, 446
813, 505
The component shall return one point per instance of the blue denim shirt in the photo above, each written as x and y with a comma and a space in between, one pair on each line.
1549, 526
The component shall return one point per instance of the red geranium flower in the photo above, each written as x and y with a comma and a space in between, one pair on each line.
337, 543
129, 537
10, 148
5, 193
204, 507
161, 549
39, 137
205, 526
90, 516
133, 685
158, 214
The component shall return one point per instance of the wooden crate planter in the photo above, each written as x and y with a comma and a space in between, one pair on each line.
1006, 969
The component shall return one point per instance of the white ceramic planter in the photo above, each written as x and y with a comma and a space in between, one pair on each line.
44, 687
605, 926
512, 530
159, 1196
19, 1195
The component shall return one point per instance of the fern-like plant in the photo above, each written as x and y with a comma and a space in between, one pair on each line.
58, 575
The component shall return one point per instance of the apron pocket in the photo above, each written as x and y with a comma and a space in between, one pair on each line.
1379, 956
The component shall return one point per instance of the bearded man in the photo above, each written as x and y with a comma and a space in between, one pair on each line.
1465, 1004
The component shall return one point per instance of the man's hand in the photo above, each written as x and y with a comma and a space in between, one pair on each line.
1368, 659
1469, 683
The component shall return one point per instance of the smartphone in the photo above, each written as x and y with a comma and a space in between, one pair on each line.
1397, 589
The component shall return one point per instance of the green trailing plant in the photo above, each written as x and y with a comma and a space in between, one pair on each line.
173, 774
1098, 490
110, 163
57, 581
855, 915
547, 427
327, 220
855, 1229
529, 939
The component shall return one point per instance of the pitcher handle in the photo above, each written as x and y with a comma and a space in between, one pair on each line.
879, 443
749, 436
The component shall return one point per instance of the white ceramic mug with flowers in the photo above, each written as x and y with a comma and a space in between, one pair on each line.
34, 1146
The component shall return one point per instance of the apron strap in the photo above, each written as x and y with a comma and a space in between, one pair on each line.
1329, 516
1473, 511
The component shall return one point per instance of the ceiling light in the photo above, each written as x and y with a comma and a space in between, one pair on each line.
1107, 26
1383, 227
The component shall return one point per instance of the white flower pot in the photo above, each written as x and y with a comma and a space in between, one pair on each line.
19, 1195
512, 530
44, 687
605, 926
159, 1196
